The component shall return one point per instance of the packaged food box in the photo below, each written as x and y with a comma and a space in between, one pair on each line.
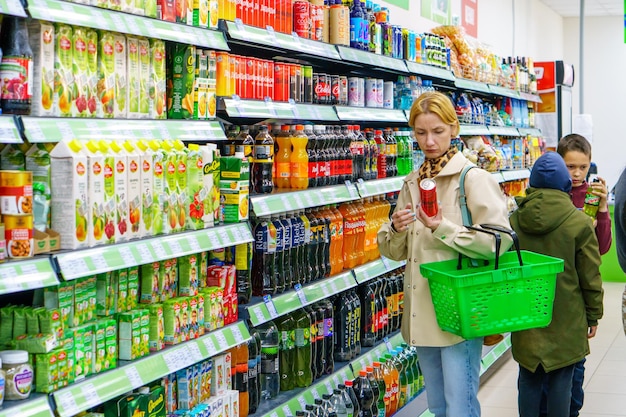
110, 342
158, 66
171, 320
132, 74
105, 105
50, 321
234, 197
46, 372
100, 328
147, 179
180, 96
122, 290
156, 402
219, 375
106, 294
80, 67
188, 275
133, 288
92, 72
64, 84
157, 328
200, 306
129, 335
39, 343
234, 168
184, 319
182, 208
197, 196
170, 278
97, 218
119, 59
63, 368
37, 161
133, 188
211, 161
41, 38
151, 283
145, 331
159, 196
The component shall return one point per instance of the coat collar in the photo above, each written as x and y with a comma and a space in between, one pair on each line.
453, 167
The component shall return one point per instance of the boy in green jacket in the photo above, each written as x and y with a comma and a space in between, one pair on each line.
547, 222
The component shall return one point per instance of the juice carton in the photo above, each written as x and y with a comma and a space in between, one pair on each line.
41, 37
213, 14
114, 4
62, 369
13, 157
106, 294
234, 200
204, 259
228, 365
181, 184
105, 105
144, 78
145, 332
38, 162
119, 59
79, 302
201, 13
147, 180
186, 397
69, 346
169, 271
188, 275
96, 219
130, 406
46, 372
170, 188
228, 406
122, 290
120, 158
89, 348
64, 87
171, 401
197, 197
156, 402
110, 342
100, 337
132, 74
69, 185
200, 86
50, 322
128, 6
92, 71
129, 335
219, 376
205, 380
184, 319
193, 318
157, 87
90, 292
110, 212
133, 287
166, 10
211, 171
182, 72
139, 7
151, 283
81, 72
157, 328
171, 320
133, 188
150, 8
159, 196
211, 84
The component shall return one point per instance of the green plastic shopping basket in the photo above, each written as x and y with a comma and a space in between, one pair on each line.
514, 292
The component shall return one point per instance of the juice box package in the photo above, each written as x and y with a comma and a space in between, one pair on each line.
186, 393
80, 67
64, 85
109, 196
37, 161
184, 319
144, 348
129, 335
157, 328
227, 402
193, 318
182, 70
184, 11
106, 294
133, 171
91, 297
166, 10
200, 306
110, 341
181, 151
105, 105
63, 369
121, 192
213, 13
201, 85
13, 158
69, 185
132, 405
219, 376
205, 380
234, 168
151, 283
61, 298
46, 372
158, 71
169, 271
122, 289
38, 343
171, 397
200, 13
188, 275
133, 288
229, 365
32, 321
19, 321
132, 75
96, 215
41, 37
159, 196
171, 319
197, 196
211, 178
150, 9
170, 189
80, 302
234, 197
119, 59
212, 84
144, 78
147, 179
100, 327
92, 71
156, 402
50, 321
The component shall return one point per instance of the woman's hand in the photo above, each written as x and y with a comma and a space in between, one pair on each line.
431, 222
600, 189
401, 219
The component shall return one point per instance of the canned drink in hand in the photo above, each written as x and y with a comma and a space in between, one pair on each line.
428, 196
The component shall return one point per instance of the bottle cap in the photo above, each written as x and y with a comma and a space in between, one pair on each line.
318, 401
362, 372
13, 357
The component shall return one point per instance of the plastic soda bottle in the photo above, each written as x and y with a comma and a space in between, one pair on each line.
299, 160
287, 352
263, 261
283, 157
364, 394
343, 315
240, 357
375, 388
592, 202
263, 162
349, 235
360, 233
254, 370
378, 376
329, 334
302, 368
356, 407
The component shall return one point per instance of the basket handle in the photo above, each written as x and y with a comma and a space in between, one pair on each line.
509, 232
490, 232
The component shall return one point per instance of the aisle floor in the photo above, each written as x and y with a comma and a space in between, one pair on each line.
605, 376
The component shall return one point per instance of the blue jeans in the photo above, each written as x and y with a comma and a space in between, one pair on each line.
451, 377
530, 387
578, 395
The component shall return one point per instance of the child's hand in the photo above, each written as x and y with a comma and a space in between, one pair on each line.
600, 189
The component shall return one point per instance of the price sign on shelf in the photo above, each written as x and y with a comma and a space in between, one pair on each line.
222, 343
194, 244
133, 376
91, 395
67, 403
301, 295
210, 346
159, 250
99, 262
145, 255
128, 259
258, 313
237, 335
271, 308
71, 268
177, 250
194, 352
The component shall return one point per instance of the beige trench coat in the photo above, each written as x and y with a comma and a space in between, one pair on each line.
418, 244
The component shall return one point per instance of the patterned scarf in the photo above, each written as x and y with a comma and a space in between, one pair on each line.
433, 166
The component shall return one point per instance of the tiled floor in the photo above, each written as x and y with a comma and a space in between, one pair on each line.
605, 376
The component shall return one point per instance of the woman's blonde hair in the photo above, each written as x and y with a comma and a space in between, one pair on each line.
436, 103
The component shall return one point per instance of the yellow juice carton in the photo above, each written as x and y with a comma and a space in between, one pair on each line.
119, 58
147, 180
132, 75
213, 14
180, 101
41, 37
144, 78
157, 89
234, 196
200, 86
201, 13
181, 184
197, 196
211, 84
122, 232
105, 104
92, 72
96, 213
170, 188
159, 196
110, 215
64, 88
81, 72
69, 185
133, 189
211, 177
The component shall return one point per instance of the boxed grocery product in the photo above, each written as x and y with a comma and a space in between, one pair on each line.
119, 58
158, 79
211, 160
184, 319
80, 302
219, 375
50, 321
13, 157
147, 179
129, 335
41, 38
171, 397
133, 172
193, 318
157, 328
170, 188
32, 321
106, 294
182, 75
188, 268
171, 277
39, 343
156, 402
186, 393
205, 380
46, 372
132, 75
201, 13
120, 191
131, 405
6, 318
81, 74
122, 290
197, 197
100, 328
92, 72
159, 197
89, 348
110, 342
105, 105
151, 283
182, 208
133, 288
63, 368
63, 72
145, 331
234, 168
201, 86
171, 320
97, 221
144, 78
234, 200
200, 306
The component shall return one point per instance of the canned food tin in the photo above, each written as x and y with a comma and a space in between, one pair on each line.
428, 196
343, 90
379, 92
18, 233
16, 192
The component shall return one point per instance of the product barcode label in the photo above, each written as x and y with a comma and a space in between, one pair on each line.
271, 308
301, 295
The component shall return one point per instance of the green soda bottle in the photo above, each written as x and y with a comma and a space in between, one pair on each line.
287, 331
302, 366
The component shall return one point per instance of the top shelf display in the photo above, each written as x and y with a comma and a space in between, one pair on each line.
12, 7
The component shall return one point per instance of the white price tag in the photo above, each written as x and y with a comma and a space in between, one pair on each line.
333, 287
223, 234
239, 25
8, 273
177, 359
34, 132
271, 308
100, 263
71, 268
133, 376
347, 279
299, 204
294, 109
193, 244
239, 232
145, 256
118, 22
316, 395
260, 207
388, 344
324, 289
210, 346
286, 203
159, 250
301, 295
194, 352
287, 411
128, 259
237, 335
67, 403
91, 395
215, 241
222, 344
258, 313
177, 250
302, 402
329, 387
269, 104
29, 269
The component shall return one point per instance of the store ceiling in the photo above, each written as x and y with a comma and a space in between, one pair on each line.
571, 8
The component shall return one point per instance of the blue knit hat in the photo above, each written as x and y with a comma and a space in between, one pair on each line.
550, 171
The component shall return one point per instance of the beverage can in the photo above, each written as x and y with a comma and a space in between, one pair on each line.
381, 16
321, 89
339, 24
370, 92
307, 75
302, 18
16, 192
380, 92
343, 90
268, 79
18, 233
334, 89
428, 196
361, 90
250, 78
316, 89
353, 91
388, 88
281, 82
260, 81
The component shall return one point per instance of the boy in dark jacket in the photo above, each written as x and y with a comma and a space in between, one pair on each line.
547, 222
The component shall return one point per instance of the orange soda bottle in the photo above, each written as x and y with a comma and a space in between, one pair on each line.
240, 362
360, 233
349, 235
338, 252
299, 160
282, 158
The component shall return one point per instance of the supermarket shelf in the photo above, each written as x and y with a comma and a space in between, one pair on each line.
36, 405
50, 129
529, 131
503, 131
258, 109
513, 175
506, 92
495, 353
531, 97
8, 130
12, 7
276, 40
105, 386
272, 307
370, 114
82, 263
430, 71
472, 85
77, 14
472, 130
268, 204
27, 274
376, 268
381, 186
380, 62
314, 112
297, 400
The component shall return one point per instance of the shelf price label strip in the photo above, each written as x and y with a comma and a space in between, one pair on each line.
12, 7
518, 174
292, 300
103, 387
503, 130
264, 205
529, 131
382, 186
8, 129
314, 112
429, 70
34, 407
92, 261
472, 85
494, 354
77, 14
506, 92
346, 113
467, 130
27, 275
375, 269
375, 60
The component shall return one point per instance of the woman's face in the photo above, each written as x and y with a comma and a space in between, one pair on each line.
432, 134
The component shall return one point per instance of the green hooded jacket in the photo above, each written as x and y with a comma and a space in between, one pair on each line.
547, 222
